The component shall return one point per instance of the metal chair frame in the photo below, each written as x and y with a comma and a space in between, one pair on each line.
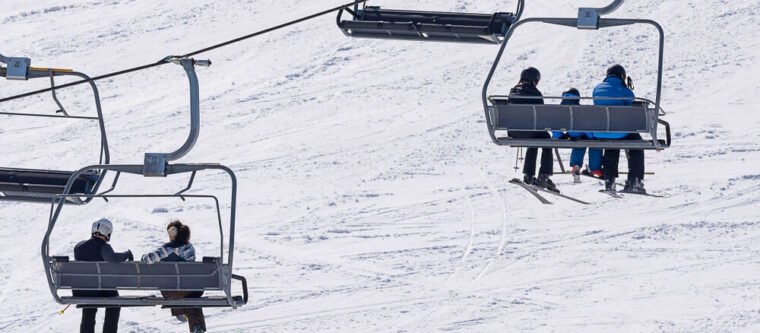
53, 265
588, 18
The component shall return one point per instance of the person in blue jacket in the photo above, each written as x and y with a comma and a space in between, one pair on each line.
529, 79
97, 249
572, 97
179, 249
614, 85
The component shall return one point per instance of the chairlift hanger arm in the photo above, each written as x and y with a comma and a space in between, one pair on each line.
611, 7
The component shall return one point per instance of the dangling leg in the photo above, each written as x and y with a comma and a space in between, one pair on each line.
111, 323
610, 168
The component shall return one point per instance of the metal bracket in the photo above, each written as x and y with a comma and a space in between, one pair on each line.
18, 68
588, 18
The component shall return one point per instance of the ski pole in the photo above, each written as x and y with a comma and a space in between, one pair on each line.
64, 309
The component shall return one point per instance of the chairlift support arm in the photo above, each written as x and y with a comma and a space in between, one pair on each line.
155, 163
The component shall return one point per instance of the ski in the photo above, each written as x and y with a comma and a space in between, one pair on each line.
613, 194
531, 190
620, 194
588, 174
535, 189
561, 195
644, 194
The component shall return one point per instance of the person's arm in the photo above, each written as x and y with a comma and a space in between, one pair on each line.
156, 256
108, 255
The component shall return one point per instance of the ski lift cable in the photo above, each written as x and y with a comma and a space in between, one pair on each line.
168, 59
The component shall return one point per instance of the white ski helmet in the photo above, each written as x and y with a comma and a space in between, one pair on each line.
102, 227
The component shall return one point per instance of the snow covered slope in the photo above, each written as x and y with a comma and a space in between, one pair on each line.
371, 197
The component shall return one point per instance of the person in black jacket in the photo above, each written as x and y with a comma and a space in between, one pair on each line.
529, 79
97, 249
179, 249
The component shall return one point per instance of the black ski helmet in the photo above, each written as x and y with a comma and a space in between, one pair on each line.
616, 70
530, 74
572, 91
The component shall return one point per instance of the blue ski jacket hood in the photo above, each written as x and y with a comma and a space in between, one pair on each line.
612, 87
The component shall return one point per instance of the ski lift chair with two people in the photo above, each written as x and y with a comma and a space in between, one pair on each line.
35, 185
375, 22
641, 117
211, 274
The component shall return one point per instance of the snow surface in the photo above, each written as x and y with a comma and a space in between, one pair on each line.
371, 197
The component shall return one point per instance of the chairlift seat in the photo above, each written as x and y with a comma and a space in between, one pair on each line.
637, 118
374, 22
42, 185
208, 275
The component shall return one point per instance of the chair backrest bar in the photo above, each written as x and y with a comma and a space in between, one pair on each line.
581, 118
183, 276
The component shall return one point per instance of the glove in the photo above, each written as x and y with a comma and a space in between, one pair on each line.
130, 257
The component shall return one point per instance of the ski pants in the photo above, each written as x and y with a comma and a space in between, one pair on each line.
194, 315
611, 159
111, 322
110, 325
531, 154
594, 158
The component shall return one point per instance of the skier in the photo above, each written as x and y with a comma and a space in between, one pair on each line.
179, 249
576, 157
97, 249
614, 85
529, 78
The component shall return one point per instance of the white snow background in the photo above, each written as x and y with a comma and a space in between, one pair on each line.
371, 197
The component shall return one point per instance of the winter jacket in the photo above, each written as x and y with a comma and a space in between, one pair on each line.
525, 89
172, 251
96, 249
612, 87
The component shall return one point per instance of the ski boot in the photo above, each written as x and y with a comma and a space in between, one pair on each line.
576, 174
609, 185
634, 185
529, 179
546, 183
198, 329
596, 173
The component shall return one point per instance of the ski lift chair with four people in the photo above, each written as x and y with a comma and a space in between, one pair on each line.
641, 117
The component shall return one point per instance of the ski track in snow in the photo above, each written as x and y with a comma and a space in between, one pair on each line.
370, 196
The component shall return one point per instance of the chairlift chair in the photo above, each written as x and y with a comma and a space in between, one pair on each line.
37, 185
641, 117
211, 274
375, 22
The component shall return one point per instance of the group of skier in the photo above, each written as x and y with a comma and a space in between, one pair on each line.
97, 248
615, 89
